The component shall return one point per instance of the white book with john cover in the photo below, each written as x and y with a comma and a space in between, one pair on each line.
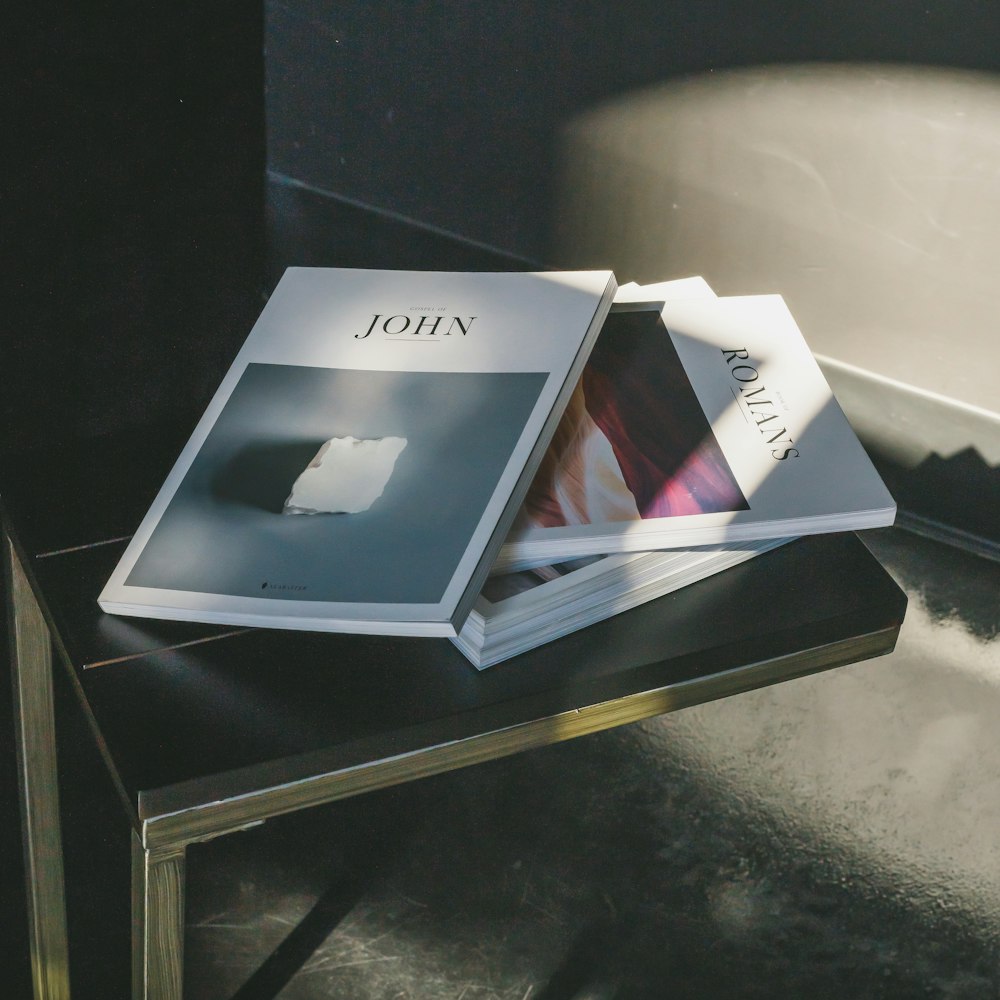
366, 453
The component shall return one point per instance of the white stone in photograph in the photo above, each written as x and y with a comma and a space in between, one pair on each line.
346, 476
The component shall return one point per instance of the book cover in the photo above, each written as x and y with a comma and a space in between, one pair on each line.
696, 422
365, 455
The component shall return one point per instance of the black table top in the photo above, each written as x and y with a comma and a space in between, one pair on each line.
187, 714
190, 712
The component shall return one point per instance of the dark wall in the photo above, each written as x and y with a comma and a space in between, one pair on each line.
447, 112
134, 204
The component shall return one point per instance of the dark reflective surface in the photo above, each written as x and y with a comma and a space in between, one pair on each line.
830, 837
250, 697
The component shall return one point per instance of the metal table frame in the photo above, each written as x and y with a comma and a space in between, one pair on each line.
166, 825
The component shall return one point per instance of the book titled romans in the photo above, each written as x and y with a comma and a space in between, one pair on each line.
697, 421
365, 455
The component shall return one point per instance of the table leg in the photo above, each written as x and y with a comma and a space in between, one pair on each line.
34, 721
157, 923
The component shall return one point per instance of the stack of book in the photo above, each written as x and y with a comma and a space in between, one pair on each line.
499, 458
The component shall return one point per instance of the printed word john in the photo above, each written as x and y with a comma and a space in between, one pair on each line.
418, 326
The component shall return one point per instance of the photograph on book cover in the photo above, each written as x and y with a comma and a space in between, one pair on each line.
228, 529
634, 442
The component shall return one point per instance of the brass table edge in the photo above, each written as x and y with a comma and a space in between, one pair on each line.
205, 822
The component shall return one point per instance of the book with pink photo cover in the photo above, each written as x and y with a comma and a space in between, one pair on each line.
517, 611
697, 421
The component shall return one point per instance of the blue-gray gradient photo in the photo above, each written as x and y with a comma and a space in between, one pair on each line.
224, 533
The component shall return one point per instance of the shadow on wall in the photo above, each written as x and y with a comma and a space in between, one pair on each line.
866, 195
448, 112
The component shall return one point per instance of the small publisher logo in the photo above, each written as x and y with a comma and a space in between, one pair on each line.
267, 585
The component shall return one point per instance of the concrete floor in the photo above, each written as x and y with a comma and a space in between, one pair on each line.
830, 837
